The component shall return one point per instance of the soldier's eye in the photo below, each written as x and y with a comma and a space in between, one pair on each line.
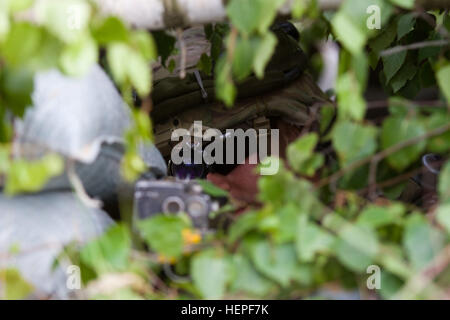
188, 171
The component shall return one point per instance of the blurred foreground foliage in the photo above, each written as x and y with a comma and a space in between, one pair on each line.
316, 225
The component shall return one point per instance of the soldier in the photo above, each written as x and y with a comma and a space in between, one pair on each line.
283, 100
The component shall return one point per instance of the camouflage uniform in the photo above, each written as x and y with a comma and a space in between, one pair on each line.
286, 92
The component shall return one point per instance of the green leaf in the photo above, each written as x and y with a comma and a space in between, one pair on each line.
136, 71
216, 46
244, 224
397, 130
384, 39
286, 228
16, 86
145, 44
350, 24
390, 285
110, 252
356, 11
110, 30
205, 64
406, 73
430, 52
118, 294
327, 113
247, 279
253, 15
164, 234
68, 20
362, 143
274, 189
301, 157
443, 216
211, 189
27, 176
77, 58
299, 8
22, 43
376, 216
4, 25
393, 63
311, 239
349, 34
225, 89
356, 247
211, 273
405, 25
13, 285
444, 183
5, 161
243, 58
360, 67
443, 78
277, 262
421, 241
350, 99
18, 5
165, 44
439, 144
406, 4
263, 53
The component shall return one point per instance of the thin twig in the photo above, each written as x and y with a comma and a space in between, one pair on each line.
394, 181
415, 46
183, 53
423, 279
373, 177
77, 184
383, 154
381, 104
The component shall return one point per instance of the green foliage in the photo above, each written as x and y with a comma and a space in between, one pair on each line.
301, 155
68, 38
15, 287
211, 273
421, 241
110, 252
24, 176
249, 46
278, 262
362, 144
443, 76
164, 234
211, 189
397, 130
444, 183
247, 279
250, 16
311, 239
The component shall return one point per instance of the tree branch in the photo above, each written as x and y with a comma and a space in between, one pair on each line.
381, 155
415, 46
